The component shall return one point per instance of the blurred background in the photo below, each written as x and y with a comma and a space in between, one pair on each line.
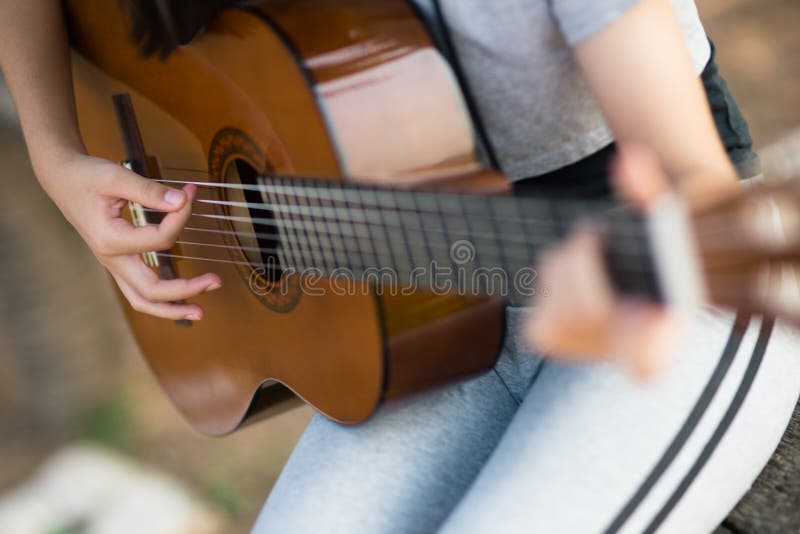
75, 394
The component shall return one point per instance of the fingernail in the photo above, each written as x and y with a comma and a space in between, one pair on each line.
173, 197
213, 286
193, 317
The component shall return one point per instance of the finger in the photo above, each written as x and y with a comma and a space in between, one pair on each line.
580, 300
145, 191
121, 237
638, 176
588, 283
153, 289
646, 337
171, 311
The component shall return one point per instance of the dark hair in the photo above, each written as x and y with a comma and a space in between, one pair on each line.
160, 26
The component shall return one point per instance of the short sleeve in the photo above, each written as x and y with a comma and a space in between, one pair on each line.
579, 19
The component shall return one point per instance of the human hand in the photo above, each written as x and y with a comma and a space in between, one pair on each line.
92, 194
582, 319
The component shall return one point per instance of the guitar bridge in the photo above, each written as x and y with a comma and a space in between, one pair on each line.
139, 219
148, 167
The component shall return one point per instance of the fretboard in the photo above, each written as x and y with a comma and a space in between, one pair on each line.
473, 245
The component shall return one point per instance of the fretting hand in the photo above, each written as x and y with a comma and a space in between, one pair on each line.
581, 319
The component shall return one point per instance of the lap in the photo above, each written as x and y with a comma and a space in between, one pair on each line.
404, 470
586, 443
589, 448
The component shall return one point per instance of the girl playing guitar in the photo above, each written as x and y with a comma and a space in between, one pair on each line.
538, 443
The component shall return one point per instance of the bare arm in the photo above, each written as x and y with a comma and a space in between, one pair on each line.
34, 57
91, 192
642, 75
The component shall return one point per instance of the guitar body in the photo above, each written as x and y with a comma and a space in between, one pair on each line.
341, 90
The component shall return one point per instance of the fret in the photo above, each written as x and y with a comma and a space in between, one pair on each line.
349, 237
469, 208
299, 228
542, 221
335, 232
502, 240
639, 250
320, 230
357, 221
342, 234
396, 236
630, 265
338, 225
301, 224
417, 243
431, 222
377, 228
516, 227
320, 233
284, 252
567, 214
487, 253
289, 209
641, 256
455, 221
532, 231
453, 232
326, 222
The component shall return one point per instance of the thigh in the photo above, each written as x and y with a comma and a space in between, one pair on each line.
404, 470
590, 449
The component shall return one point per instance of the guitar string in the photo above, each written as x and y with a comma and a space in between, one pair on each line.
357, 265
367, 219
310, 226
729, 247
572, 206
315, 247
310, 249
709, 265
306, 242
374, 214
249, 248
522, 240
315, 218
358, 193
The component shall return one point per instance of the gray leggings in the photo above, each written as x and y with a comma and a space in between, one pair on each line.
538, 446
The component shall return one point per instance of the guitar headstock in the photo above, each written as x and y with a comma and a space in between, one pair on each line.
749, 248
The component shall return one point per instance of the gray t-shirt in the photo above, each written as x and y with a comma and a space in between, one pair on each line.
530, 93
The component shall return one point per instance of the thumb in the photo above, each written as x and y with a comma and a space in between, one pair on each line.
638, 176
145, 191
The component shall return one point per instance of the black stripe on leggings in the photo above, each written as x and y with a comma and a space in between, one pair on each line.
741, 394
726, 360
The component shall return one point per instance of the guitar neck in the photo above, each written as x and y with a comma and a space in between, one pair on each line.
474, 245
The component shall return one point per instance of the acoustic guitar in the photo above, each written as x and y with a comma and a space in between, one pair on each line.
366, 247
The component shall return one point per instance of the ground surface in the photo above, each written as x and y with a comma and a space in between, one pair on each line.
69, 370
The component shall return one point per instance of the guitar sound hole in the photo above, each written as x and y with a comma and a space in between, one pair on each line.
253, 222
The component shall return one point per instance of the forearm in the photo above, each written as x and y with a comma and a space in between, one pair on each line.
34, 57
645, 82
